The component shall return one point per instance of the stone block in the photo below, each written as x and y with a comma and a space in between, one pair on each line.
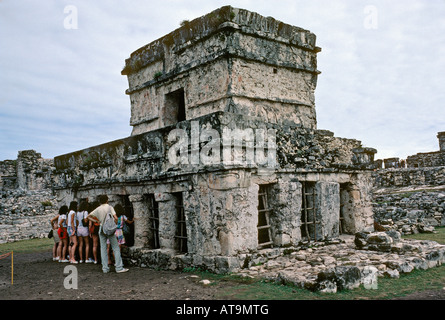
226, 264
345, 277
369, 276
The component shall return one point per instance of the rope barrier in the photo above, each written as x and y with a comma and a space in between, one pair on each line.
5, 255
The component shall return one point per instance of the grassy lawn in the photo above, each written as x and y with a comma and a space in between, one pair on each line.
27, 246
438, 237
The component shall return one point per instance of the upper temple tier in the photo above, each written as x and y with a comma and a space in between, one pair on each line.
230, 60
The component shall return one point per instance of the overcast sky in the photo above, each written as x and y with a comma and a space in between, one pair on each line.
382, 64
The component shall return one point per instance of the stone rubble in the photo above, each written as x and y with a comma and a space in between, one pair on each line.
342, 264
409, 212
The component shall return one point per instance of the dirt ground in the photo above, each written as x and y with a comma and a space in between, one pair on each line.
37, 277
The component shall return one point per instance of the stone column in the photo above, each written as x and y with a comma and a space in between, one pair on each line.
360, 203
286, 200
328, 209
441, 137
141, 231
167, 219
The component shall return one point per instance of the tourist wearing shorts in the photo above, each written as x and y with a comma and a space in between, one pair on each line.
83, 233
72, 226
54, 228
62, 233
94, 232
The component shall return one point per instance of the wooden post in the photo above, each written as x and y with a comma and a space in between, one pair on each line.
12, 267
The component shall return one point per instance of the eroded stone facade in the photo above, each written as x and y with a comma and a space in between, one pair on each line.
225, 157
27, 202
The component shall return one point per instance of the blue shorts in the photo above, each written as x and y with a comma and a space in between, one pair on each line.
71, 231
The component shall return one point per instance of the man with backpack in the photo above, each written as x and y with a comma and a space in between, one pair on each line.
106, 216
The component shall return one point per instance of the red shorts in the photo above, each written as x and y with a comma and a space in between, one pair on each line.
62, 233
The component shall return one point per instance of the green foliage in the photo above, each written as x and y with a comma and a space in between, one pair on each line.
46, 203
157, 75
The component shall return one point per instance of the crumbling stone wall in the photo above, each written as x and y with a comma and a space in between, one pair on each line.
410, 200
406, 177
428, 159
8, 174
410, 212
28, 172
26, 214
34, 172
27, 201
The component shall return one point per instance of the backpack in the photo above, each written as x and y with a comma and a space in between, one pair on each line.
109, 226
85, 222
125, 228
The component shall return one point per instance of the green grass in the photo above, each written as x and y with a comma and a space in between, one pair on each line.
27, 246
438, 237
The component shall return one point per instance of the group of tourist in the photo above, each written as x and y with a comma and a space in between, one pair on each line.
77, 232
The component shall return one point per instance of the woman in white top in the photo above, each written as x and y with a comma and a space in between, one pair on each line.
72, 226
83, 232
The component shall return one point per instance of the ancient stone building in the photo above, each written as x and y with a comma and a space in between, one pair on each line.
27, 202
225, 157
28, 172
429, 159
422, 170
419, 160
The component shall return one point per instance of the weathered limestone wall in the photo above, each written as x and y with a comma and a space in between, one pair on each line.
429, 159
27, 202
34, 172
205, 91
145, 157
221, 215
26, 214
222, 61
8, 174
28, 172
406, 177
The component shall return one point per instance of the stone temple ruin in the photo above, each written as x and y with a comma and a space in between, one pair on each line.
225, 158
419, 160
